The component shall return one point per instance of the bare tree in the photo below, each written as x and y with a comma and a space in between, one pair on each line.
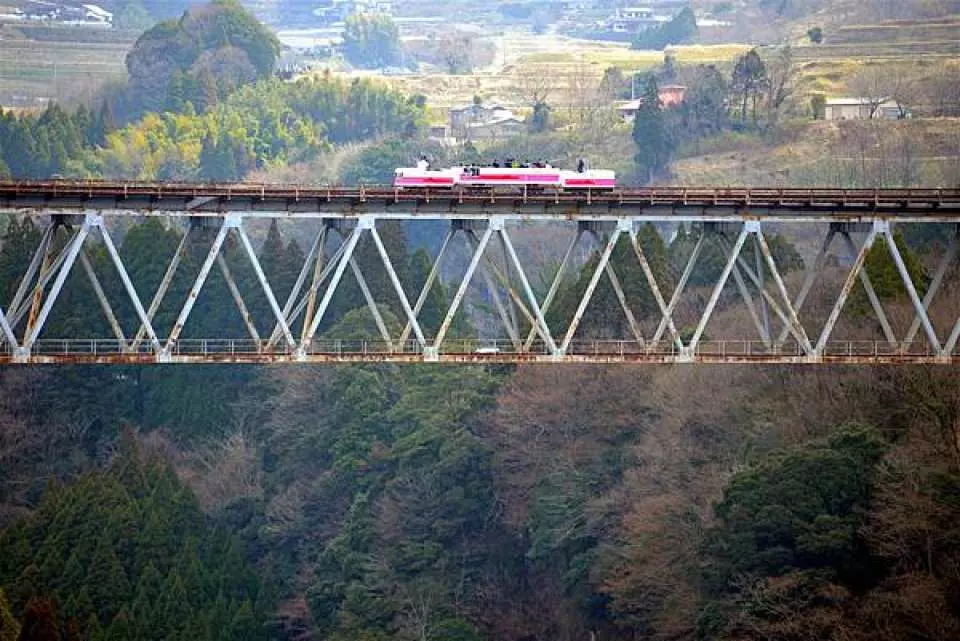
877, 84
781, 72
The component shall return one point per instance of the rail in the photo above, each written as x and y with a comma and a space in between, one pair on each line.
222, 197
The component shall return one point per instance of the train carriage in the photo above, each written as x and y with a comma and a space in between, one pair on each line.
539, 177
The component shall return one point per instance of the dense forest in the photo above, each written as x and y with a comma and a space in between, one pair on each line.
426, 503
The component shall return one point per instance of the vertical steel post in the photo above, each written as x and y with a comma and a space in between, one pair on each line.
591, 286
911, 289
852, 277
715, 296
398, 287
267, 290
462, 289
197, 286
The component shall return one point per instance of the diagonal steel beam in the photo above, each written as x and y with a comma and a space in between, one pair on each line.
554, 286
427, 285
245, 314
72, 250
6, 332
294, 293
951, 343
622, 299
675, 297
162, 289
197, 286
322, 271
942, 269
398, 287
462, 289
793, 319
918, 306
267, 290
47, 271
748, 299
508, 285
808, 281
588, 293
758, 261
852, 277
28, 276
371, 304
715, 296
348, 247
872, 295
531, 298
128, 285
494, 293
105, 305
772, 302
653, 285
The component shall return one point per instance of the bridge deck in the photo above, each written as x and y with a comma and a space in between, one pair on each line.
124, 198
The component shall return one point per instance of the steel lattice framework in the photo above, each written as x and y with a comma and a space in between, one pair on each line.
735, 220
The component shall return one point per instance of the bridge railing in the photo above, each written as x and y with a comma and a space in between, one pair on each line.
241, 349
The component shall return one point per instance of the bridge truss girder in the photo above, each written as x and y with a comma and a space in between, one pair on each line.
760, 286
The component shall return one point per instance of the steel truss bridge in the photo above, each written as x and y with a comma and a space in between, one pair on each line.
70, 214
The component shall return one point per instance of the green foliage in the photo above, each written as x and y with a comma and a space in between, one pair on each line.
651, 133
749, 79
818, 106
219, 43
885, 277
682, 28
540, 119
800, 510
371, 40
815, 34
605, 317
133, 16
123, 530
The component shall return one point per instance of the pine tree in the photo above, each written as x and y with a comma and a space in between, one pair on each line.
106, 580
244, 626
650, 133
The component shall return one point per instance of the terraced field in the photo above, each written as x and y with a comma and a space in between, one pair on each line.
68, 67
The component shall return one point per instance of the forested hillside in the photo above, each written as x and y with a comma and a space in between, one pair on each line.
462, 503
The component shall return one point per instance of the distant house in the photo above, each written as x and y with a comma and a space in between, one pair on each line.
496, 129
862, 109
482, 122
668, 96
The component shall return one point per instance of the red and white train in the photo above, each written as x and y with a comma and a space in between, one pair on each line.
506, 176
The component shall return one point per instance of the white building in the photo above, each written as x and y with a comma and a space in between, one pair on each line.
862, 109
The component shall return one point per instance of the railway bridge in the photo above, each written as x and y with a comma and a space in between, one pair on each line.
478, 229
